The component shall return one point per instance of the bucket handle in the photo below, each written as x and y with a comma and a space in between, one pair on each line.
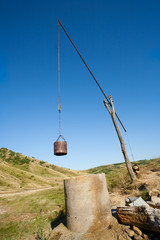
60, 136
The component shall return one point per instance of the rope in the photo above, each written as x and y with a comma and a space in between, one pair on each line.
59, 100
130, 147
59, 122
60, 136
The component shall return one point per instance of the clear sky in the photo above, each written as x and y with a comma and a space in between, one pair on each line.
120, 41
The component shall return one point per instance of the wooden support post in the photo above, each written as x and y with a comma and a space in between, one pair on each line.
123, 147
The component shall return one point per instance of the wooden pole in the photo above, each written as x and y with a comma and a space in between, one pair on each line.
123, 147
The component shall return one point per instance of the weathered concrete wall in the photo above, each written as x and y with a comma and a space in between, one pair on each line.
87, 203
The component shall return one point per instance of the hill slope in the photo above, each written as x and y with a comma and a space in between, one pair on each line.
30, 216
120, 185
19, 172
31, 196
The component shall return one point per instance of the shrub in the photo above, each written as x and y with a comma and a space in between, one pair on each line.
42, 162
145, 195
8, 159
11, 153
4, 150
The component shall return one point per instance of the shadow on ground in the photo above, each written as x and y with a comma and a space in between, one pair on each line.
114, 213
61, 218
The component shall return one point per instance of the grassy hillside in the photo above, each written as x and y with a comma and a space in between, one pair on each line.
118, 178
30, 215
19, 172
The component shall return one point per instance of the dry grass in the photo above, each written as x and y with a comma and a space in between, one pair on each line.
120, 185
19, 172
22, 217
27, 216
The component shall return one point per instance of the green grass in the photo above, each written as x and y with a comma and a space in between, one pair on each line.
117, 175
29, 215
21, 172
16, 160
42, 162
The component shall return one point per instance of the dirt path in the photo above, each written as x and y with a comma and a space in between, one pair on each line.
23, 193
117, 199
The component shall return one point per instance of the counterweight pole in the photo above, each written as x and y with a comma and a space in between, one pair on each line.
90, 72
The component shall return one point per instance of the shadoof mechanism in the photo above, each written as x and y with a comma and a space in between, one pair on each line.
60, 147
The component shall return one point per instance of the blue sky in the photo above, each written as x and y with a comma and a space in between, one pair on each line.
119, 41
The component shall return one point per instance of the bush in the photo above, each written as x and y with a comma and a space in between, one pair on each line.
4, 150
11, 153
145, 195
25, 161
8, 159
42, 162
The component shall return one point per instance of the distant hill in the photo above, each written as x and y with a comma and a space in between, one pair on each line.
117, 175
19, 172
146, 164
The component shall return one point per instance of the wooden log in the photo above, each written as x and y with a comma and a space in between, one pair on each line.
153, 205
140, 216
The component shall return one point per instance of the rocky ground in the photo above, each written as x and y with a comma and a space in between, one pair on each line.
114, 231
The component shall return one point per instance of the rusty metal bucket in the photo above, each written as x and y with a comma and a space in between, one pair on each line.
60, 147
